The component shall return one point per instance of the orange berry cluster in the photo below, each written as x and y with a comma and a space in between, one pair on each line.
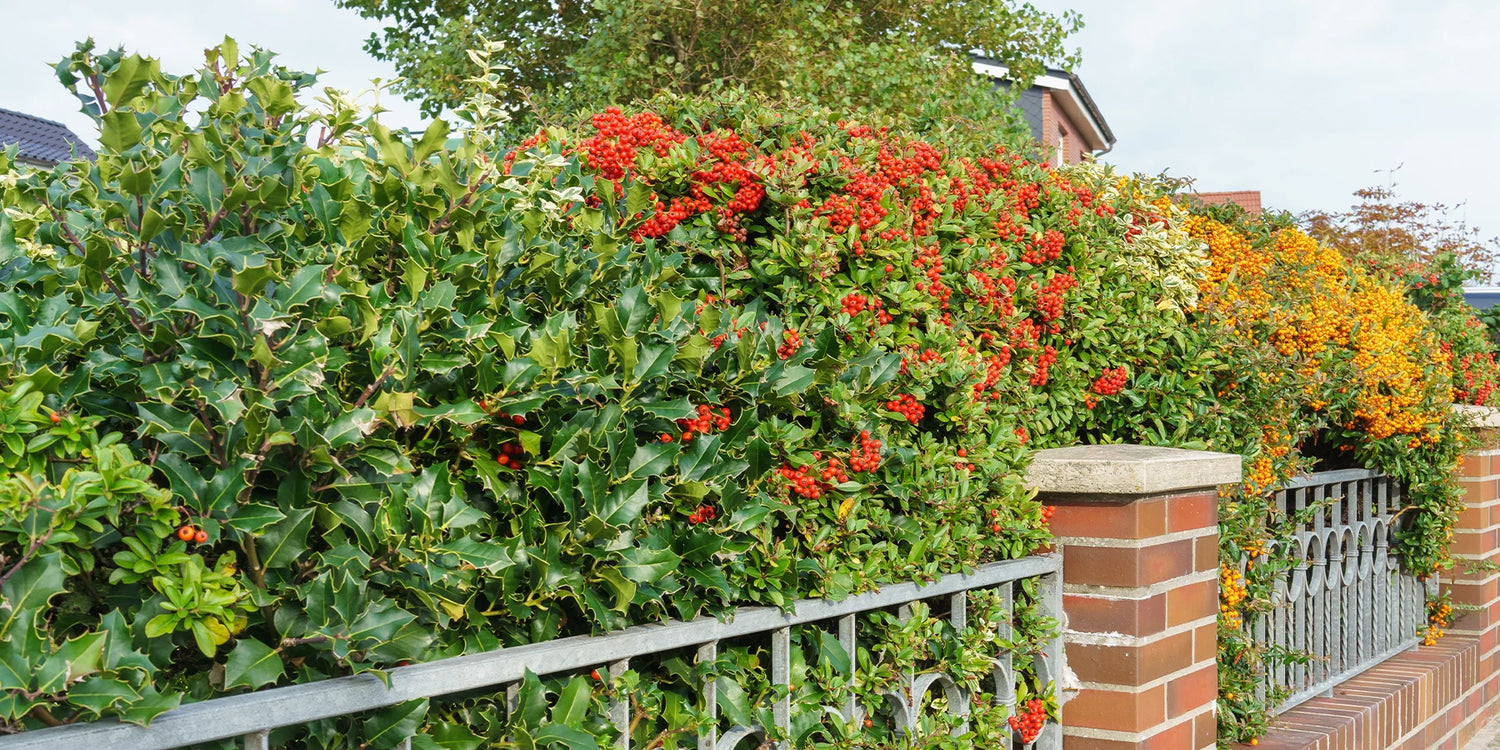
190, 533
865, 456
1439, 614
1029, 722
907, 406
1111, 382
1232, 592
1047, 511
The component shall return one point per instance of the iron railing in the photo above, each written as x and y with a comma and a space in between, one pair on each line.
254, 715
1347, 605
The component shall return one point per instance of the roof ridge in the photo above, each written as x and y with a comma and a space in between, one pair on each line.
34, 117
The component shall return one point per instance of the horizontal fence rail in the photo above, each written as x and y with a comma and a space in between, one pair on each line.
254, 715
1346, 605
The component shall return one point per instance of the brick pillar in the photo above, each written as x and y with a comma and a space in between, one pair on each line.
1138, 529
1477, 537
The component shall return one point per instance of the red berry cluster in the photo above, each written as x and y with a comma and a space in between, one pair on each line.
707, 421
866, 454
791, 341
907, 406
1111, 382
612, 152
1029, 722
703, 513
1043, 247
1022, 434
1043, 362
512, 455
802, 481
1047, 511
854, 304
1049, 301
833, 472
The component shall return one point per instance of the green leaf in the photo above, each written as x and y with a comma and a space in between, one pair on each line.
151, 705
622, 587
648, 566
389, 727
98, 693
573, 703
284, 542
573, 739
350, 427
794, 379
29, 589
652, 459
252, 664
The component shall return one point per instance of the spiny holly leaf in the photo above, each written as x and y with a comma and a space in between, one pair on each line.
252, 664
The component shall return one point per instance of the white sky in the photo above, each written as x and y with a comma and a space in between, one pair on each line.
1305, 100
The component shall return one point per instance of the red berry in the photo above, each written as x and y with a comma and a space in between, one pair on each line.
55, 417
201, 536
518, 419
186, 532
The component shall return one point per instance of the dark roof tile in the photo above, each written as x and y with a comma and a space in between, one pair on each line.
41, 141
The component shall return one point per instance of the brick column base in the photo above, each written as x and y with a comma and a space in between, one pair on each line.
1138, 529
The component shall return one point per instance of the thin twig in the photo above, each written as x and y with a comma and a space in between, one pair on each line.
370, 391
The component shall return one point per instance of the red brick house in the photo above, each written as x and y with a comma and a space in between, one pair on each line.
1063, 117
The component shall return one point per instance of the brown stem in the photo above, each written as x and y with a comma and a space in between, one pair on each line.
370, 391
36, 544
213, 223
216, 449
252, 559
294, 642
46, 716
443, 223
136, 321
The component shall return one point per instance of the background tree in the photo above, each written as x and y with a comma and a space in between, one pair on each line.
908, 60
1381, 229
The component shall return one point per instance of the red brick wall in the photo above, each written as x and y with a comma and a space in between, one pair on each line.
1140, 590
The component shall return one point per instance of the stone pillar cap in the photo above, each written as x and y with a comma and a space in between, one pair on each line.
1129, 470
1481, 416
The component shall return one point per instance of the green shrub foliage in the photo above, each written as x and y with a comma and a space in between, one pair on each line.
330, 398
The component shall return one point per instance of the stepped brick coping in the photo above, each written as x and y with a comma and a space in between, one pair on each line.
1128, 470
1425, 698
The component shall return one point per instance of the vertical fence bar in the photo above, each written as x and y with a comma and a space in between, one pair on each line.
1006, 694
619, 705
781, 675
708, 653
257, 740
1049, 590
851, 648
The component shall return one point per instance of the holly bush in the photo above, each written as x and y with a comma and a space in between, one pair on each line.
388, 397
331, 398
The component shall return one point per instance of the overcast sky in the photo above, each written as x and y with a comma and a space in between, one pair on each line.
1305, 100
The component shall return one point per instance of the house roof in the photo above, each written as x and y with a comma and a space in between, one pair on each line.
42, 142
1246, 199
1071, 95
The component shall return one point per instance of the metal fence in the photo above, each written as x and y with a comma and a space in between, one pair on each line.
1347, 605
252, 716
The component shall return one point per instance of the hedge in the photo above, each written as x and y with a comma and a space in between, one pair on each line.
289, 395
